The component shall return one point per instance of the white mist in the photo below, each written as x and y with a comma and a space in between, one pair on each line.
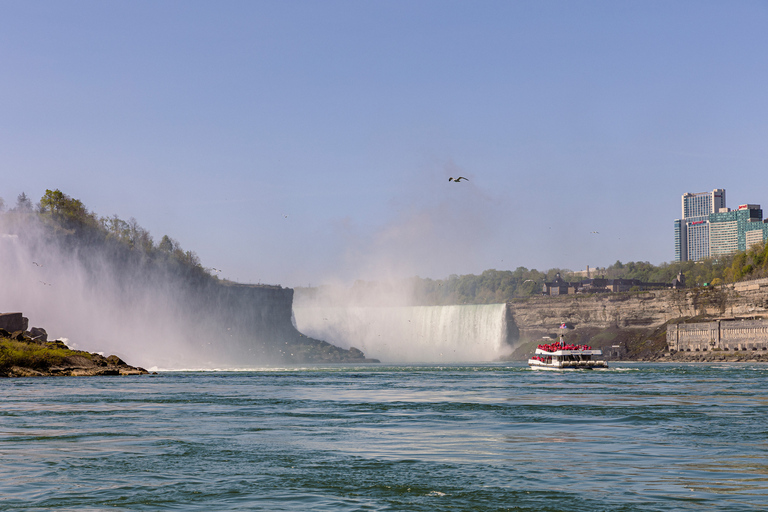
415, 334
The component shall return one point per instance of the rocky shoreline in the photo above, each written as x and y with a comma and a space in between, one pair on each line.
81, 364
715, 356
28, 353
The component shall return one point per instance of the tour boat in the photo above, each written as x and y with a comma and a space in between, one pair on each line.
563, 356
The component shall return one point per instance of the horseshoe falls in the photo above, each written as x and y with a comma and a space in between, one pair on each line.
413, 334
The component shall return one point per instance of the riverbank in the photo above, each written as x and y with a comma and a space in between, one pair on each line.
710, 356
24, 356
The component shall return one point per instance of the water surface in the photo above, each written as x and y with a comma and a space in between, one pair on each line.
466, 437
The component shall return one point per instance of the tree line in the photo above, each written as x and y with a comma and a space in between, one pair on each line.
497, 286
69, 218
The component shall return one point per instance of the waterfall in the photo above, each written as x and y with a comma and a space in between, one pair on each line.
431, 334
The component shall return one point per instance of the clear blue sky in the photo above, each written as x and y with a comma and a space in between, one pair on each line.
296, 142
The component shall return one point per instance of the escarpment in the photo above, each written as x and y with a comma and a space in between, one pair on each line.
632, 325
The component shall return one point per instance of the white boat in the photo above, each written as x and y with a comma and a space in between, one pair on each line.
563, 356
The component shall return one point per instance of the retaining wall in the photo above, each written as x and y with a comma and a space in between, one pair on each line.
718, 335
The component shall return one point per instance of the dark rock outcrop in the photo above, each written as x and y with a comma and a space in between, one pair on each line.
56, 359
252, 324
12, 322
38, 333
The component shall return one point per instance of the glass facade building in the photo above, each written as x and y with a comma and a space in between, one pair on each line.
681, 247
709, 229
728, 229
692, 230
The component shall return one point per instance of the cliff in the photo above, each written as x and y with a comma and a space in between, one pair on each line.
254, 324
155, 306
631, 325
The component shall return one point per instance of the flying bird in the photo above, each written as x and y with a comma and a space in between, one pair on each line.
457, 179
36, 263
595, 232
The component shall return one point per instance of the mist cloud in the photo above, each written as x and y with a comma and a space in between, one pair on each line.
111, 301
438, 227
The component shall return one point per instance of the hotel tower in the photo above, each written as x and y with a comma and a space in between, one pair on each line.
692, 230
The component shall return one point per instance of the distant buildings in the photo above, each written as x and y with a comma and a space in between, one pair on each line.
692, 230
731, 231
601, 285
709, 229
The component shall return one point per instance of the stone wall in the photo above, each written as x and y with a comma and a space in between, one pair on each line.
718, 335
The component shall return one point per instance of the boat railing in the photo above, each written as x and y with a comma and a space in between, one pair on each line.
554, 347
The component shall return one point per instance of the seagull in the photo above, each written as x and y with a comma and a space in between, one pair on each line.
36, 263
457, 179
595, 232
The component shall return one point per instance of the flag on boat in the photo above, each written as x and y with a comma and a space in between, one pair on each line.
563, 326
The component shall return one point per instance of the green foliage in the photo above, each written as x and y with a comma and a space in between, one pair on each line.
127, 241
30, 355
752, 264
69, 213
495, 286
728, 269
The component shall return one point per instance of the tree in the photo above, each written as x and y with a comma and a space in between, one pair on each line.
53, 202
23, 204
167, 244
70, 212
115, 227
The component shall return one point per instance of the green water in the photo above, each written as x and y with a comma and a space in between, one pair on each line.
467, 437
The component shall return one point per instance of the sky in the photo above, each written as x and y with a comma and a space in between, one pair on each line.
302, 143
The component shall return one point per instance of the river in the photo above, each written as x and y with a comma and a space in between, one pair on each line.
482, 437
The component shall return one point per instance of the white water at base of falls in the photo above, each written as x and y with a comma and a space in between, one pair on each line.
418, 334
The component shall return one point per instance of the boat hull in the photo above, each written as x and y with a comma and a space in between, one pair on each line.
557, 364
538, 365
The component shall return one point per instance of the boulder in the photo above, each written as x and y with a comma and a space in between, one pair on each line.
12, 322
115, 361
38, 334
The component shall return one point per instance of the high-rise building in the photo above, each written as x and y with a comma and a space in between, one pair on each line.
709, 229
681, 248
755, 232
728, 229
692, 230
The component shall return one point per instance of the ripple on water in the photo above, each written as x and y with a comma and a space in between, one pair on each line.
469, 437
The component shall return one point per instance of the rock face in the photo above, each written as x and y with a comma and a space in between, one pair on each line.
634, 315
13, 322
253, 324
